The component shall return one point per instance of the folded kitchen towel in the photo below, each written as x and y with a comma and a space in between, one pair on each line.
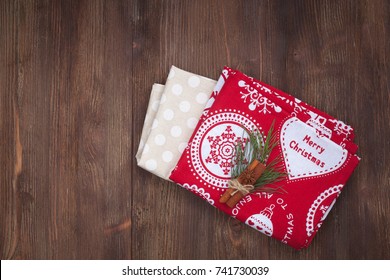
154, 103
181, 104
317, 168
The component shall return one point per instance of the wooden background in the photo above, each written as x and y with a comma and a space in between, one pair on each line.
75, 78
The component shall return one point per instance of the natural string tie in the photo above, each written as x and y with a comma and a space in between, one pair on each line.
238, 187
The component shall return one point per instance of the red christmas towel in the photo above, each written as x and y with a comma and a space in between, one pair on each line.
317, 167
263, 97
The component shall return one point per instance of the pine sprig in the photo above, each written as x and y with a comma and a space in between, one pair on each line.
255, 148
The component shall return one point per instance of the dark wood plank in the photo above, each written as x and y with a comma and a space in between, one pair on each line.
10, 151
74, 88
73, 99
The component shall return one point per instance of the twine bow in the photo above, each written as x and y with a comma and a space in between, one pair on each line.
243, 184
238, 187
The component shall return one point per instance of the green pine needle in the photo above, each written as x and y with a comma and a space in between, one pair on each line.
254, 148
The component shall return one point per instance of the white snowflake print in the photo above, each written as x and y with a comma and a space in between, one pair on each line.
223, 149
257, 100
295, 103
341, 128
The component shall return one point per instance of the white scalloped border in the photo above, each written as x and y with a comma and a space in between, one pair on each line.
314, 207
200, 191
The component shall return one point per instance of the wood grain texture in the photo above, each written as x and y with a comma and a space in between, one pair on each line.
74, 86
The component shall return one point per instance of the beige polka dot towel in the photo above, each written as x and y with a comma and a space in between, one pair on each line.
154, 103
173, 112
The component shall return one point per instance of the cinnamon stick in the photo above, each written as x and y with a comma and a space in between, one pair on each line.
226, 195
234, 199
247, 177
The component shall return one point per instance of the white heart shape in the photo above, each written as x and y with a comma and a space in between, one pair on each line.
305, 153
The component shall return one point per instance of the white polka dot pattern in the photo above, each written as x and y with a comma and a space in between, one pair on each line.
202, 98
159, 139
151, 164
185, 106
167, 156
155, 105
163, 99
179, 107
155, 123
177, 89
194, 81
176, 131
168, 114
149, 123
182, 147
192, 122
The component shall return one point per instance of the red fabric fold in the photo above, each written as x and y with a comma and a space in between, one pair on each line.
318, 165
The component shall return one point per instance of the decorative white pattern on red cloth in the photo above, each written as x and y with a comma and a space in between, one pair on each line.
317, 166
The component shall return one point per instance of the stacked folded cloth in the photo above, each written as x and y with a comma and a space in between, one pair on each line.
253, 151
